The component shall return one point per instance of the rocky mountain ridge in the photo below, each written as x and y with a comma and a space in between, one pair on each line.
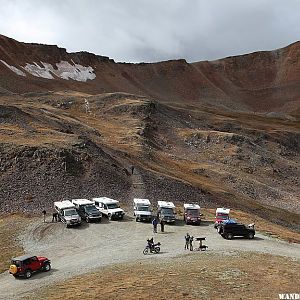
263, 81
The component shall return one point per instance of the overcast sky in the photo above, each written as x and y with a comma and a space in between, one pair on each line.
154, 30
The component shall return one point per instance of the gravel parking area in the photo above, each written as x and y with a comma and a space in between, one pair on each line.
79, 250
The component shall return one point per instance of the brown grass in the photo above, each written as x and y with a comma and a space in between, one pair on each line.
10, 227
195, 276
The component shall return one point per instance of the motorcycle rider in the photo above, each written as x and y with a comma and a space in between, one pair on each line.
151, 244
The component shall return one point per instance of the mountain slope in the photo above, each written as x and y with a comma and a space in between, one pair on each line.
219, 133
261, 81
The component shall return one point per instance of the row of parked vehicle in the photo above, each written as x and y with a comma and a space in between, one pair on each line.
166, 211
72, 212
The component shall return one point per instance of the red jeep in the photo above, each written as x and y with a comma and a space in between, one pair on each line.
25, 265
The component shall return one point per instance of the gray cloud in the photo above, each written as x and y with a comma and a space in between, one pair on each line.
154, 30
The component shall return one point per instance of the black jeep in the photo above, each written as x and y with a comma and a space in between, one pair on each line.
228, 231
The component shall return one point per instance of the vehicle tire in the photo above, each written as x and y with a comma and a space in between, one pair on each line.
157, 250
229, 236
136, 219
219, 230
146, 251
251, 235
87, 219
109, 217
28, 274
47, 267
16, 276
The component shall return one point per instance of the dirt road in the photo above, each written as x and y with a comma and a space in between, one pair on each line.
79, 250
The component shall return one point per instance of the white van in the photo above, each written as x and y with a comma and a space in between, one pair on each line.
142, 209
109, 207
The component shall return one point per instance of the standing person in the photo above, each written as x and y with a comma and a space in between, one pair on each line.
44, 214
191, 243
132, 169
162, 225
187, 241
54, 216
154, 223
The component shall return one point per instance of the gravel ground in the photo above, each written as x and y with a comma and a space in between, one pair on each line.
79, 250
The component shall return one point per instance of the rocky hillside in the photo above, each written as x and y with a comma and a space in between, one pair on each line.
219, 133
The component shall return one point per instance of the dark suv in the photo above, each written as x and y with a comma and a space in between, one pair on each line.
25, 265
89, 213
228, 231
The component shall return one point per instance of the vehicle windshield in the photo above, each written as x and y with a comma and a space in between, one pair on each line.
70, 212
17, 263
112, 205
90, 208
167, 211
223, 217
193, 212
143, 208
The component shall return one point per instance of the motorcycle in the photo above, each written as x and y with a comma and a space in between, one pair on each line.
154, 249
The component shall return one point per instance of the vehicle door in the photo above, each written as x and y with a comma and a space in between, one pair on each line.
34, 263
105, 208
239, 229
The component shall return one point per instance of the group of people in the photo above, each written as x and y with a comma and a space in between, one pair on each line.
155, 223
54, 216
188, 242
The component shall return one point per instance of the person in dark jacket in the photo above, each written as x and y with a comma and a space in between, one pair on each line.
191, 243
132, 169
151, 244
54, 216
162, 225
154, 223
44, 214
187, 241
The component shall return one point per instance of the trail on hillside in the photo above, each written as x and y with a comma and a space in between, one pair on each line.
138, 188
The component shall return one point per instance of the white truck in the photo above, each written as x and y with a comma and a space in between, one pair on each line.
142, 209
87, 210
109, 207
192, 213
67, 213
166, 211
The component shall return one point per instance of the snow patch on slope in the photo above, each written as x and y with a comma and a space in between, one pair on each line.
63, 70
38, 71
14, 69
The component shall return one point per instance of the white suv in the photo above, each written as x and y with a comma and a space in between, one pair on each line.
109, 207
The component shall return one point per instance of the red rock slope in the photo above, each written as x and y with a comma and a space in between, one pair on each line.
261, 81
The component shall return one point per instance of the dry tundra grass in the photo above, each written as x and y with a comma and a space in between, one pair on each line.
10, 227
196, 276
